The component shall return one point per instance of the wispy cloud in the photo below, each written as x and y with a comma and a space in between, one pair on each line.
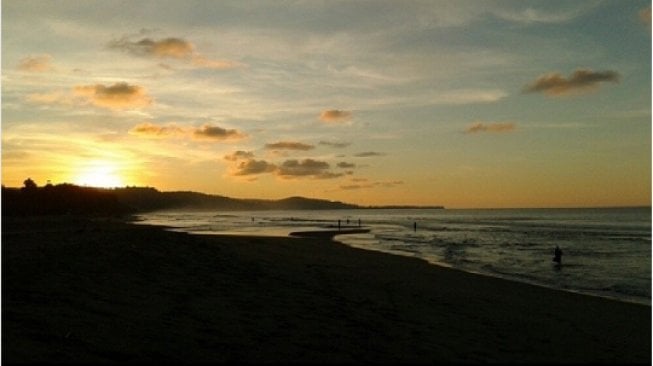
289, 145
368, 154
335, 144
581, 81
335, 116
38, 63
355, 186
147, 129
534, 16
203, 62
117, 96
204, 132
390, 184
51, 98
468, 96
493, 127
346, 165
167, 47
384, 184
239, 155
217, 133
463, 13
174, 48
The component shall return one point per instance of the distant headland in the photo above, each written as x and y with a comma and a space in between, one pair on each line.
72, 199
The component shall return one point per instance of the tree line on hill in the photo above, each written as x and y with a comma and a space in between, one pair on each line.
60, 199
72, 199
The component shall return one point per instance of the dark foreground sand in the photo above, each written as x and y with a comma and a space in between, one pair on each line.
101, 290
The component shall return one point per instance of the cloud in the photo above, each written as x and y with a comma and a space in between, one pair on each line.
533, 16
468, 96
251, 167
335, 144
289, 145
330, 175
117, 96
39, 63
239, 155
390, 184
167, 47
368, 154
217, 133
496, 127
345, 165
384, 184
147, 129
295, 167
50, 98
206, 63
245, 164
334, 116
174, 48
205, 132
307, 167
356, 186
582, 80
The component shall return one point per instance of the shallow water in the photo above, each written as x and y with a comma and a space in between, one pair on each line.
606, 251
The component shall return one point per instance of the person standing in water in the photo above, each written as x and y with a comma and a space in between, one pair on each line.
557, 255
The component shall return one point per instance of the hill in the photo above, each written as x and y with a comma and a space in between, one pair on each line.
71, 199
148, 199
61, 199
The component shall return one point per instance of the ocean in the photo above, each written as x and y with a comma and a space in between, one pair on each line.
606, 251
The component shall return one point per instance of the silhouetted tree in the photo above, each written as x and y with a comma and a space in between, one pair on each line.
29, 185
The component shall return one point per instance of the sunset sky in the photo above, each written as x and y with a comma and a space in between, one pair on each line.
457, 103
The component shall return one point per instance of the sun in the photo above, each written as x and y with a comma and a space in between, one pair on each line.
100, 174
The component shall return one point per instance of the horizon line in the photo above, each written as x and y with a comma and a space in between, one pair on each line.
379, 206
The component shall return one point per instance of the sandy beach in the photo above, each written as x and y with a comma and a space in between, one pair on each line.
91, 290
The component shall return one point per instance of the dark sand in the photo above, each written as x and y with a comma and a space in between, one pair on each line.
102, 290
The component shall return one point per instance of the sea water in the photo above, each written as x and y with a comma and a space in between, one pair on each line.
606, 251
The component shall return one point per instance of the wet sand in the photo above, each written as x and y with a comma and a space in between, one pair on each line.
328, 234
81, 290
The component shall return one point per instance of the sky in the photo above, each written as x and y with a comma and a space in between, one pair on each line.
466, 104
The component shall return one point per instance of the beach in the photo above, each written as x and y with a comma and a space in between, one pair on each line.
101, 289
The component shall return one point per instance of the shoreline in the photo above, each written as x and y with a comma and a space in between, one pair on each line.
330, 234
78, 289
327, 234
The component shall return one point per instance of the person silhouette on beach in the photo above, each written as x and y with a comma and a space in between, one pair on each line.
557, 255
